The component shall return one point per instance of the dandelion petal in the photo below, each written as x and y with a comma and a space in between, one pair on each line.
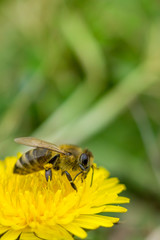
32, 208
11, 235
76, 230
28, 236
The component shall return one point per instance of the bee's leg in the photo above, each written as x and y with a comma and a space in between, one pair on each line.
49, 165
83, 177
70, 179
48, 174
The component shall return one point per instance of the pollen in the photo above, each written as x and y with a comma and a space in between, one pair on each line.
32, 208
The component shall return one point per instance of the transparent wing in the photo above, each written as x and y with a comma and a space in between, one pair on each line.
35, 142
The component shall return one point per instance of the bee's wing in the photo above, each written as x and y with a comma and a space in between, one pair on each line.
34, 142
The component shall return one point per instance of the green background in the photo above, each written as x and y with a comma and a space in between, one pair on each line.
88, 73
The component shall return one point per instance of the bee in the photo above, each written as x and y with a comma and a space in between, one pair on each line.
47, 156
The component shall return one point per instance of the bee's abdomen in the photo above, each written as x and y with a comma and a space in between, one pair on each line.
32, 161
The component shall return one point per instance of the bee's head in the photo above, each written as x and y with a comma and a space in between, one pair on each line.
85, 164
85, 160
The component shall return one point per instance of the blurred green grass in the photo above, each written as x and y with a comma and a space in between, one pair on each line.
88, 73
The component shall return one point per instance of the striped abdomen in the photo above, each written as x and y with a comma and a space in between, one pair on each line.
32, 161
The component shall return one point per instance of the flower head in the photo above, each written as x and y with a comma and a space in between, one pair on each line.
32, 208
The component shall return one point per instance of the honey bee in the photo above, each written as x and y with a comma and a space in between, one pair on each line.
47, 156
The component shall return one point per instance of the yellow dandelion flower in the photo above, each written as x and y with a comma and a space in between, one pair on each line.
32, 208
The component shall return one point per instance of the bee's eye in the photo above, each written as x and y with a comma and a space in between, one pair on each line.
84, 159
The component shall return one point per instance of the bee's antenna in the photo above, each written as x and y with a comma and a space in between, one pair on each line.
92, 175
